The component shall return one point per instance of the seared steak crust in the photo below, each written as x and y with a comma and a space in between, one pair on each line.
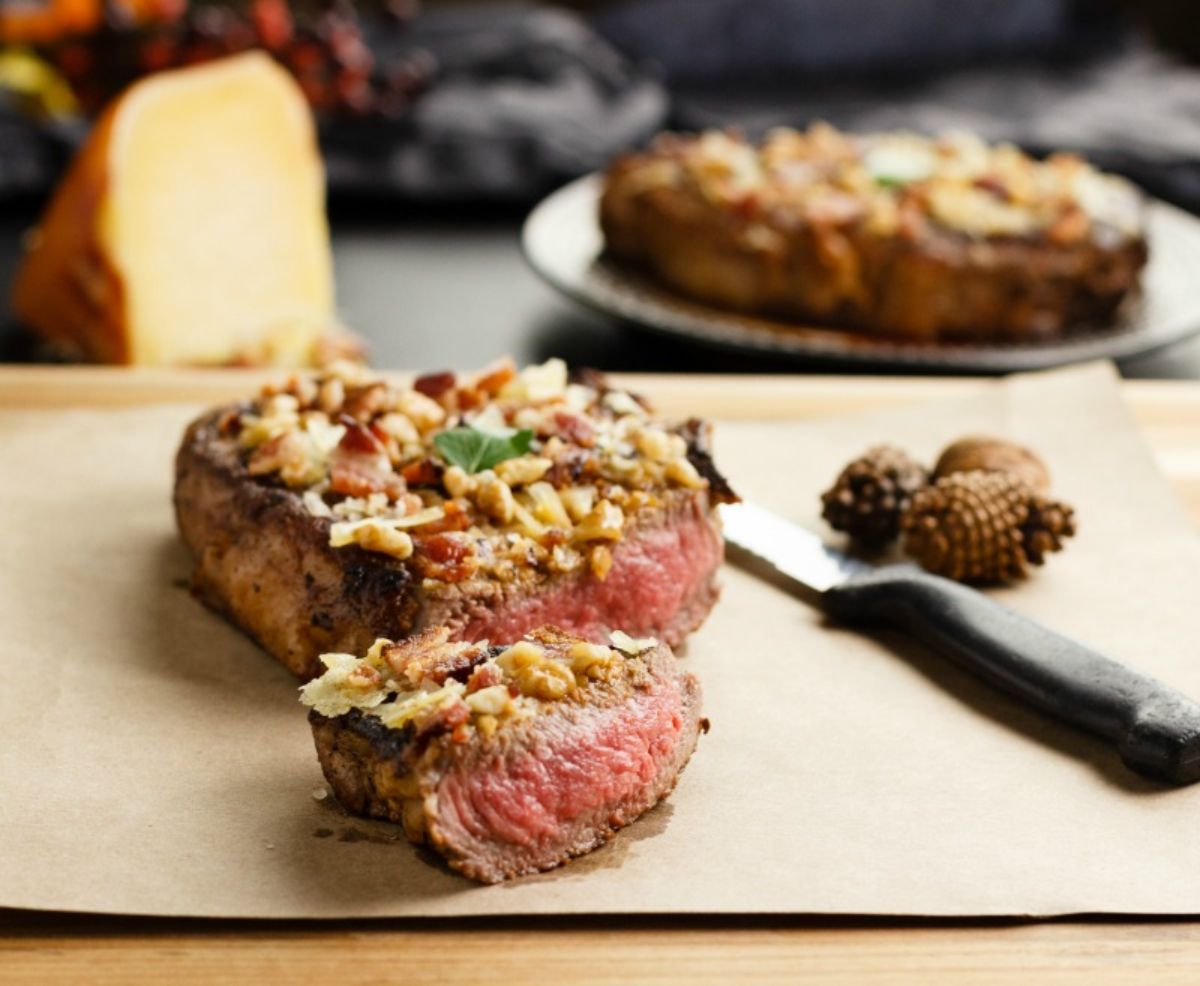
922, 280
265, 562
533, 795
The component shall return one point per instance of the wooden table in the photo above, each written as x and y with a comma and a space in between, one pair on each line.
52, 949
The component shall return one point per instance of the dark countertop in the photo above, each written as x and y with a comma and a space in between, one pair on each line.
453, 290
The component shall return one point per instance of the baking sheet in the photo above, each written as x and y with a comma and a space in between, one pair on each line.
153, 761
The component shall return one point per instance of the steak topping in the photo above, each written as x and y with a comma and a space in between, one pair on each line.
483, 476
438, 685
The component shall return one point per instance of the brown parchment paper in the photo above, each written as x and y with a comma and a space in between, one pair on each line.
153, 761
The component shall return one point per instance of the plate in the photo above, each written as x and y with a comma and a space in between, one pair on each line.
563, 244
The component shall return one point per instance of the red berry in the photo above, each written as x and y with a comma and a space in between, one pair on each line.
273, 23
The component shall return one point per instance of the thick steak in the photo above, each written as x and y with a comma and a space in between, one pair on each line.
540, 789
265, 560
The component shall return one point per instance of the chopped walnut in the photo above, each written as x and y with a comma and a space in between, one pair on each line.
424, 412
523, 470
495, 497
548, 506
331, 395
601, 561
373, 535
604, 522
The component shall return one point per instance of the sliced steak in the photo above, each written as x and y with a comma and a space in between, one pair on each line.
504, 794
265, 558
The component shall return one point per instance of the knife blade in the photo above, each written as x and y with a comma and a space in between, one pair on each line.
1156, 729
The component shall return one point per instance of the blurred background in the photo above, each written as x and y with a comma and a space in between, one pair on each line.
443, 123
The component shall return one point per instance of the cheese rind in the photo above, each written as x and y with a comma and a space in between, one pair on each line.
191, 229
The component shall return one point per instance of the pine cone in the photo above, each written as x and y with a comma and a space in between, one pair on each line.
984, 527
871, 493
1050, 523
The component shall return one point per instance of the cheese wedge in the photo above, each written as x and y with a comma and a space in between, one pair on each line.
191, 228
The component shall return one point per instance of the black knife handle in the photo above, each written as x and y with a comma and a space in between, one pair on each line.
1155, 728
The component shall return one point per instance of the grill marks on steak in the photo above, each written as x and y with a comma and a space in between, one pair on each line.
265, 562
537, 792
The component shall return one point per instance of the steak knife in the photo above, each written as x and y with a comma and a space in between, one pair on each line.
1155, 729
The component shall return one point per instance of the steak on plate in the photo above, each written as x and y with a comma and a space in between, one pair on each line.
338, 509
505, 760
919, 238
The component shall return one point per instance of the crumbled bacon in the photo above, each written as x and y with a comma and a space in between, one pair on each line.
359, 466
433, 661
434, 385
358, 438
491, 379
423, 472
448, 557
574, 428
456, 517
484, 676
445, 718
467, 399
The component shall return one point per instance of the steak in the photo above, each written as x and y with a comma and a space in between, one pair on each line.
970, 242
505, 794
266, 558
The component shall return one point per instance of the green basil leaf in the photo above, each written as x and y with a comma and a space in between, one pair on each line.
892, 181
474, 450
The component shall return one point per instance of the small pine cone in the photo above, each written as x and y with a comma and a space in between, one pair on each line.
983, 527
871, 493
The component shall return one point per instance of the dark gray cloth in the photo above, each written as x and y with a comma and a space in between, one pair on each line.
735, 41
522, 100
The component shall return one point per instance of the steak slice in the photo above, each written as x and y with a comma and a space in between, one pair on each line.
266, 561
501, 794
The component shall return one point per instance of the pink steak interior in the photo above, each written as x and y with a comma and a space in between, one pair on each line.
584, 771
661, 584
